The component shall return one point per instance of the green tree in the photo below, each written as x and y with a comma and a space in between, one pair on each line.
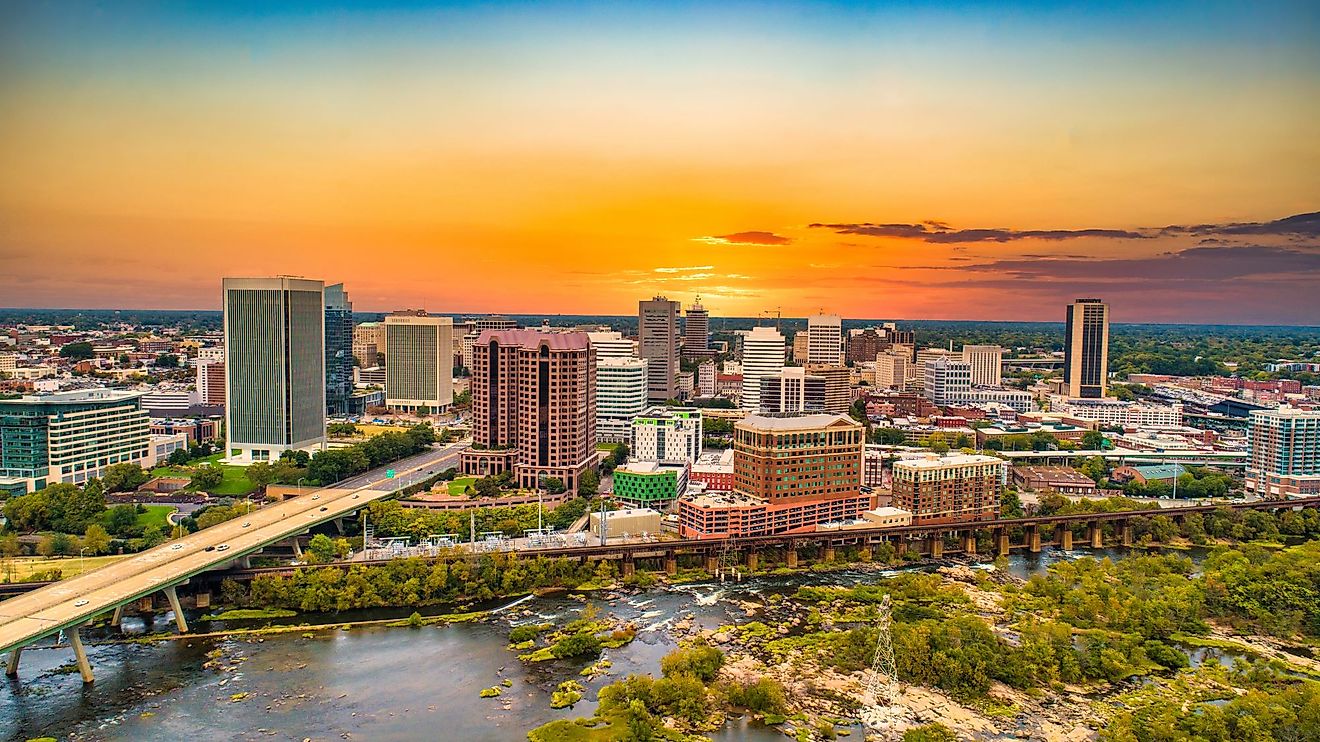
72, 509
179, 457
77, 351
1093, 440
554, 485
260, 474
589, 484
123, 477
121, 520
321, 549
10, 546
932, 732
167, 360
96, 540
207, 477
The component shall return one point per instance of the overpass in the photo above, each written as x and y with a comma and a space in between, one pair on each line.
926, 538
68, 605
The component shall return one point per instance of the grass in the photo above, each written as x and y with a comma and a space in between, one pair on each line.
20, 568
459, 484
369, 430
156, 515
235, 483
248, 614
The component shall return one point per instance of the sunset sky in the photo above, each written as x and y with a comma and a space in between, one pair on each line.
897, 160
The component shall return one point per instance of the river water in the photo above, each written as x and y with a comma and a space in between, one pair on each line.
373, 683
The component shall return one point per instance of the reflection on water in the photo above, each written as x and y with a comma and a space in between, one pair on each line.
377, 683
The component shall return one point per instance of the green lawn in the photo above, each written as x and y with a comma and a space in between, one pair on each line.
235, 484
155, 516
457, 486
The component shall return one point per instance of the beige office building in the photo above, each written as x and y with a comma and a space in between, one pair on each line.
419, 374
987, 363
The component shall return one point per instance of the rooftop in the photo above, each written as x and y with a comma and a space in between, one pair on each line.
933, 461
77, 396
533, 339
796, 422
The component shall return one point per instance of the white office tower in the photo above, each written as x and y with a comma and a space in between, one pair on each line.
274, 366
947, 380
419, 366
620, 396
667, 434
987, 362
763, 355
824, 339
612, 345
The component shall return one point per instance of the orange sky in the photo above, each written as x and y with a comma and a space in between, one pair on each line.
553, 161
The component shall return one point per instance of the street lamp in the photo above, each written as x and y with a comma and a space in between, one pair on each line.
81, 551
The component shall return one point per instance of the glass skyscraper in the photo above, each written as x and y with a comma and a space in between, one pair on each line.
338, 350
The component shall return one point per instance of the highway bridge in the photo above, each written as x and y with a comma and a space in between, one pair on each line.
67, 605
1228, 459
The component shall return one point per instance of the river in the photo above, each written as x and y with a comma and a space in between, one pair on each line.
373, 683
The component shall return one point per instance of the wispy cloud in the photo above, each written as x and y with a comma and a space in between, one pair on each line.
684, 269
941, 233
747, 238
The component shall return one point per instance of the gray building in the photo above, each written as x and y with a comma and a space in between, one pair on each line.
1086, 349
274, 366
657, 340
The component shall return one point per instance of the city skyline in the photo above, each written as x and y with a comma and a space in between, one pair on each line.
948, 162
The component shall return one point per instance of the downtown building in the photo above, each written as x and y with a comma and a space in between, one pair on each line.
657, 339
69, 437
962, 488
824, 340
696, 333
763, 356
986, 363
338, 350
790, 475
419, 370
533, 407
1086, 349
211, 382
274, 367
621, 387
369, 344
667, 435
1283, 453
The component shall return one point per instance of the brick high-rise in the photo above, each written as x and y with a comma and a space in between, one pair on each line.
533, 406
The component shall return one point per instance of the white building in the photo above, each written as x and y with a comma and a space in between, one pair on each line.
1283, 453
891, 370
706, 379
667, 434
612, 345
69, 437
987, 364
620, 396
763, 355
168, 402
824, 339
946, 379
1117, 412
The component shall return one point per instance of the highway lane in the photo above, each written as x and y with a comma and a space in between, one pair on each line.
67, 603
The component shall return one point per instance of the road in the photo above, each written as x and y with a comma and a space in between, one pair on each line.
71, 602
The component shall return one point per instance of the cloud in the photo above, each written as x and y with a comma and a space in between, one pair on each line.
1298, 225
746, 238
685, 269
941, 233
1195, 263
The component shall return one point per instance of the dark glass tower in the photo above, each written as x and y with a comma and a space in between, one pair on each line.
338, 350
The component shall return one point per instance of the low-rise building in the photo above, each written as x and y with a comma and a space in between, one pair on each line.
625, 523
1062, 479
650, 484
1147, 474
951, 489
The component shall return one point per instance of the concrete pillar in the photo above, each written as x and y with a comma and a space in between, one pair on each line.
180, 620
12, 668
791, 557
828, 554
339, 525
1063, 537
245, 562
1096, 534
1001, 542
117, 618
1033, 538
297, 548
1125, 532
936, 545
712, 563
84, 667
900, 547
671, 564
629, 567
753, 560
969, 542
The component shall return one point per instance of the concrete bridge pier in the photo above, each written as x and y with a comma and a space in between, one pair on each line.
900, 546
1125, 532
1096, 534
11, 669
936, 546
297, 548
1063, 536
753, 560
791, 556
712, 563
629, 567
671, 563
969, 542
80, 653
1033, 538
117, 617
827, 554
1001, 542
180, 621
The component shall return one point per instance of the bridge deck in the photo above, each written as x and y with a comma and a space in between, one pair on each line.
68, 603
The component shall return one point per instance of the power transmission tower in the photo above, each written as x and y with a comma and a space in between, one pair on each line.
728, 564
882, 685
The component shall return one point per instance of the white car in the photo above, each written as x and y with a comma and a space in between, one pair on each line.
80, 602
246, 524
316, 497
176, 547
222, 547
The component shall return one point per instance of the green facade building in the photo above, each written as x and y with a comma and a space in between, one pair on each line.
69, 437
